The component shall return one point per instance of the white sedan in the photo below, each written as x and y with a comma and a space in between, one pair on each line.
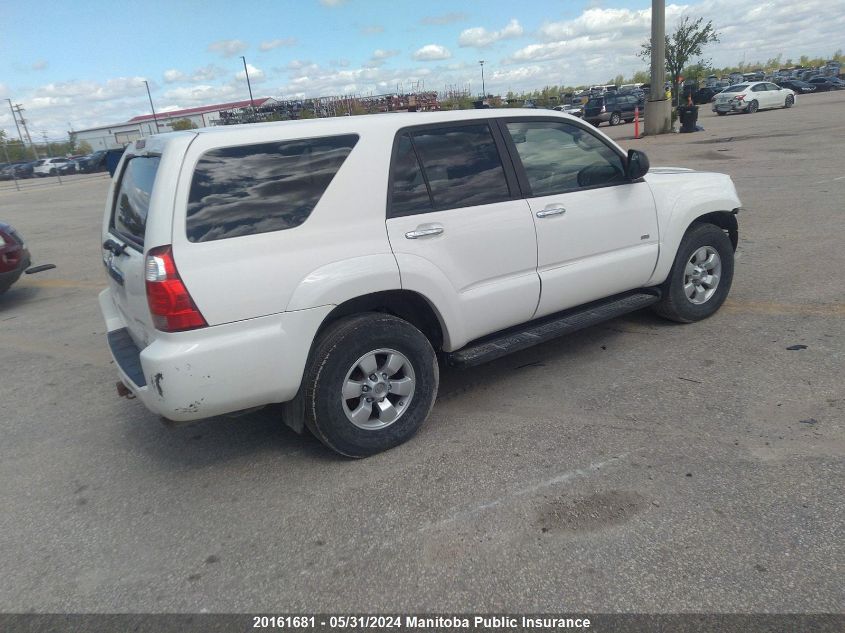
752, 96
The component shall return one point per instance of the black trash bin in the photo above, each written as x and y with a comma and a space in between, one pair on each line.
688, 116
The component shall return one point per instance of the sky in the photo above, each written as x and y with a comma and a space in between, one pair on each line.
80, 64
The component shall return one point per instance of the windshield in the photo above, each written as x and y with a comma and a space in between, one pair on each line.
737, 88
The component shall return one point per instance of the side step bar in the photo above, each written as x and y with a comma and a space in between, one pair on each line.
547, 328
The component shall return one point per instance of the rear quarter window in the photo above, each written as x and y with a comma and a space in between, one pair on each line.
132, 203
260, 188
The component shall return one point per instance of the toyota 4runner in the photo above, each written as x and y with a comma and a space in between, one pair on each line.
331, 264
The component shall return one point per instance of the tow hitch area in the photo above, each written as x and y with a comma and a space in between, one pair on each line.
123, 391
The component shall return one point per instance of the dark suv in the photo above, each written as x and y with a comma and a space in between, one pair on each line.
611, 108
14, 258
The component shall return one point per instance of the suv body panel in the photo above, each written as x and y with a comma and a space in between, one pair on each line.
266, 295
681, 196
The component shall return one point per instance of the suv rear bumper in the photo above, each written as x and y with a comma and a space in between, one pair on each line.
214, 370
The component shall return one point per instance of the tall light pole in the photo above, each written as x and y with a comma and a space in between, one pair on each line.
483, 89
248, 85
155, 120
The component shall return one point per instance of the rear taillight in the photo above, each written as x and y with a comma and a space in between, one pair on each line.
603, 109
739, 97
170, 303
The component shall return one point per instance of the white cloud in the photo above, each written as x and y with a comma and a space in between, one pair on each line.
199, 75
227, 48
432, 52
190, 96
39, 64
256, 75
332, 3
372, 29
382, 54
271, 44
172, 75
479, 37
447, 18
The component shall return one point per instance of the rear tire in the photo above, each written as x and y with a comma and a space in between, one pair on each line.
753, 107
691, 293
615, 118
721, 113
790, 101
371, 383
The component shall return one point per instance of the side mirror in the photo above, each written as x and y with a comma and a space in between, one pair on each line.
637, 165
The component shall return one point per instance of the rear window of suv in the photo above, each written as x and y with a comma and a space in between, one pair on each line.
261, 188
132, 203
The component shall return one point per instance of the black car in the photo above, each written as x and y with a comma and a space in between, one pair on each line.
796, 85
823, 84
17, 170
612, 108
93, 162
705, 95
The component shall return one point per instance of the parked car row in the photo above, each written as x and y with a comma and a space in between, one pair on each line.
44, 167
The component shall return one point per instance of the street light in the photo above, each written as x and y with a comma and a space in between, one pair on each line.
155, 120
483, 90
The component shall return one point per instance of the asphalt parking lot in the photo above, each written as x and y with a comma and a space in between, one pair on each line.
637, 466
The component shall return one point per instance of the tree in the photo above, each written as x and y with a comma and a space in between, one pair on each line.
183, 124
84, 147
687, 41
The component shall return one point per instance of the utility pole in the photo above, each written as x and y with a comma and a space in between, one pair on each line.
14, 116
155, 120
658, 109
483, 89
20, 111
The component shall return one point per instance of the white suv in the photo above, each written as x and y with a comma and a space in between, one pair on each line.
330, 264
53, 166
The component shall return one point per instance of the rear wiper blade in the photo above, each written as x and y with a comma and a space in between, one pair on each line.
114, 247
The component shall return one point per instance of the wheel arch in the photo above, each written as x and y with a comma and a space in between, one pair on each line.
408, 305
405, 304
726, 220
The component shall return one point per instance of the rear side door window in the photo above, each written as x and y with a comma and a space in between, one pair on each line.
250, 189
132, 202
462, 166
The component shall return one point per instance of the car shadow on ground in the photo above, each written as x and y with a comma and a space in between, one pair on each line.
17, 296
263, 433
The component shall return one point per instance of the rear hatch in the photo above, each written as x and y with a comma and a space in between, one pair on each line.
123, 244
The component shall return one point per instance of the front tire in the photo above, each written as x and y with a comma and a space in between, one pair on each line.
371, 383
701, 275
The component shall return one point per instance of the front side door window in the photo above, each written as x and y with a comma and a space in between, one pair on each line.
596, 231
559, 157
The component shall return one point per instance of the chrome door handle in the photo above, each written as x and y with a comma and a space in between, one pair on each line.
551, 211
434, 230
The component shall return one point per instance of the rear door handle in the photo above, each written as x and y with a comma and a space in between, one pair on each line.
549, 211
427, 232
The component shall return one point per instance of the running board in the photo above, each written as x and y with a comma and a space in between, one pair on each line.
550, 327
